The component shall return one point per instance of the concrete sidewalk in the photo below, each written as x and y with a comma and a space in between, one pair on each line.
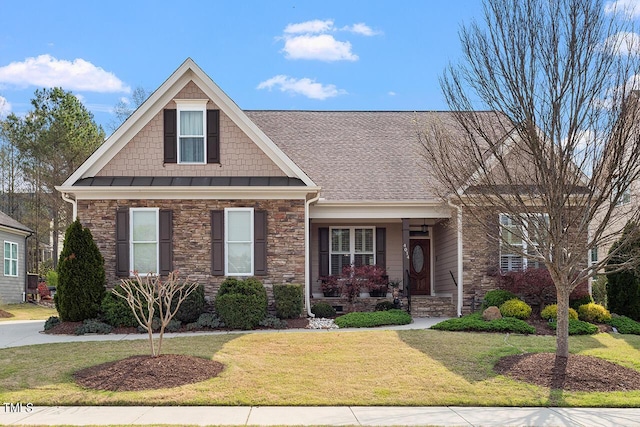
329, 415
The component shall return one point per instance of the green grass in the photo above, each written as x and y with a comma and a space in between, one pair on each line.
27, 311
413, 367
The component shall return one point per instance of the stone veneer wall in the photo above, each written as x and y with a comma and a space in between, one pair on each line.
192, 237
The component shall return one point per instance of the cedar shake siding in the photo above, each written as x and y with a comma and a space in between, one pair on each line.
235, 154
192, 248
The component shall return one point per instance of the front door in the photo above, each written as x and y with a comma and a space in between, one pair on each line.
420, 266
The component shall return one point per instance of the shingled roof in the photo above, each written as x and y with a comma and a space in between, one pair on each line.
7, 221
356, 155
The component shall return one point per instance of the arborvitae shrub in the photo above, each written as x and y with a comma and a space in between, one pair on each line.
288, 300
81, 276
515, 308
241, 304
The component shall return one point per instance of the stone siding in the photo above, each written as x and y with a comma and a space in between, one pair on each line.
432, 306
192, 237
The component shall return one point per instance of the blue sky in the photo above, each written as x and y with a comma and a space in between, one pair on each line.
276, 54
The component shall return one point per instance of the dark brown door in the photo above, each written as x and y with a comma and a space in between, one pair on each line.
420, 267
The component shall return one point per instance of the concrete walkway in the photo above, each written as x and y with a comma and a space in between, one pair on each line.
23, 333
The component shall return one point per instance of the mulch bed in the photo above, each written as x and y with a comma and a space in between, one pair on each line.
148, 373
577, 373
5, 314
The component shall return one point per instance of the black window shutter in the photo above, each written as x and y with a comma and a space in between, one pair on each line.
122, 242
381, 247
166, 241
217, 243
170, 136
323, 239
213, 136
260, 243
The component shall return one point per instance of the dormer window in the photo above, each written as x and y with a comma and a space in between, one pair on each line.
192, 129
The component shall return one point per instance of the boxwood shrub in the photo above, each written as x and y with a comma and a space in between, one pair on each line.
116, 311
192, 307
475, 322
375, 318
593, 313
496, 298
241, 304
323, 310
288, 300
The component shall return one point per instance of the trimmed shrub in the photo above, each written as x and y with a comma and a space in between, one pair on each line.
515, 308
385, 305
288, 300
93, 326
241, 304
496, 298
323, 310
173, 325
51, 322
375, 318
475, 322
593, 313
576, 303
625, 325
623, 287
81, 276
192, 307
116, 311
578, 327
273, 322
551, 312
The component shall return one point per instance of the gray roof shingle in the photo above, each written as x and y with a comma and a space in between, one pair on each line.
9, 222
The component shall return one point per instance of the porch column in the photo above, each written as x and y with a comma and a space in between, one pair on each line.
405, 249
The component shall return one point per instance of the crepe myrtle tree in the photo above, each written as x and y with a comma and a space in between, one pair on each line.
555, 149
152, 297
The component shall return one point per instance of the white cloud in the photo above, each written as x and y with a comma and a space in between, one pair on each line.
47, 71
391, 93
305, 86
310, 27
5, 107
624, 43
322, 47
362, 29
627, 7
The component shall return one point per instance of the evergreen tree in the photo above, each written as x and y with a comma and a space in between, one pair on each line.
623, 285
81, 276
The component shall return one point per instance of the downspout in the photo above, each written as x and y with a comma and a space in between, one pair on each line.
74, 203
307, 255
460, 258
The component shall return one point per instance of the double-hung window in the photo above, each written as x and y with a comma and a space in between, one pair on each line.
10, 259
239, 241
192, 131
519, 242
351, 245
144, 240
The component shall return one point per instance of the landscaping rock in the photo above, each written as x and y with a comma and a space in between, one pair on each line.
322, 323
491, 313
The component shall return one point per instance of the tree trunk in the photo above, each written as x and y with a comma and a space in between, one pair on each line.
562, 330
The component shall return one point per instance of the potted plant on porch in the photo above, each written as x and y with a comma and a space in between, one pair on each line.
330, 286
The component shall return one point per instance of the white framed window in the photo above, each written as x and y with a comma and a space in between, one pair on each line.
593, 256
192, 131
238, 240
10, 259
144, 250
516, 239
351, 245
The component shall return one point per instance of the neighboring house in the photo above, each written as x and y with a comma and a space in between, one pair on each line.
13, 280
192, 182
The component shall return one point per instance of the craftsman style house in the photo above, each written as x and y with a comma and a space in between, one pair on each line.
191, 182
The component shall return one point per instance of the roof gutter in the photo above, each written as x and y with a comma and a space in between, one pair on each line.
460, 260
68, 198
307, 254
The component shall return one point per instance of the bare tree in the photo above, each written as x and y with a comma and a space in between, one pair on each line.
544, 169
125, 107
151, 297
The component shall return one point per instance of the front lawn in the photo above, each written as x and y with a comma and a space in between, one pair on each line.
27, 311
413, 367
